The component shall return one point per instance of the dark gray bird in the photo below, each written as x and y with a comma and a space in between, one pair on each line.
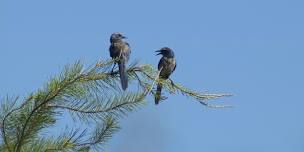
120, 50
166, 66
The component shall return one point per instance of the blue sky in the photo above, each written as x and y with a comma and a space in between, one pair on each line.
252, 49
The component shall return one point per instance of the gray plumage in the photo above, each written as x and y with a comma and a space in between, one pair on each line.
120, 50
167, 65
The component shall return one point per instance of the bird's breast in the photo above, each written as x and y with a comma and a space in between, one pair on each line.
120, 49
167, 66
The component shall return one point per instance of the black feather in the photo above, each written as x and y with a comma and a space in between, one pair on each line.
123, 75
158, 93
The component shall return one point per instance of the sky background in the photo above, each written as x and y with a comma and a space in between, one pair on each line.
252, 49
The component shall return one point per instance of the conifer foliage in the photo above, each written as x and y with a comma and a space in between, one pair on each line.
92, 96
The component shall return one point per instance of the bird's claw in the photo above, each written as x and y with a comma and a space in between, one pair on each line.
112, 72
172, 83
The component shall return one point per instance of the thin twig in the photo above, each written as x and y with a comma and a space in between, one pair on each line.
202, 97
93, 111
156, 77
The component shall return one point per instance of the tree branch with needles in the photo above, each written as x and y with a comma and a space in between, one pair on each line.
92, 94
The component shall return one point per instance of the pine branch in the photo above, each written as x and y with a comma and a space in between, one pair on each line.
68, 141
56, 92
177, 88
65, 142
101, 135
45, 101
201, 97
7, 111
123, 105
92, 95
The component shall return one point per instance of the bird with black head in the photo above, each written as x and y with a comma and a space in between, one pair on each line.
166, 67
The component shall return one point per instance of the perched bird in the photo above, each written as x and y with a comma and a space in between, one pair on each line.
166, 67
120, 50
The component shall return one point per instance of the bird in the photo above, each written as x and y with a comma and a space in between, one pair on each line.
166, 67
120, 51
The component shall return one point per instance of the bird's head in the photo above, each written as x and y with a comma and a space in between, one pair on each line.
117, 37
165, 51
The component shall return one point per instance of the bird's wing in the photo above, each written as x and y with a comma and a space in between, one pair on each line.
115, 50
174, 65
127, 51
161, 63
111, 50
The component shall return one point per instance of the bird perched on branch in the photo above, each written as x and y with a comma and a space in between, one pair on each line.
120, 51
166, 67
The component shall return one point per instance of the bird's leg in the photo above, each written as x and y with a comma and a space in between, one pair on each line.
172, 83
112, 71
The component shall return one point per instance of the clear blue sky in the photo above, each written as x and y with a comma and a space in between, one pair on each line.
252, 49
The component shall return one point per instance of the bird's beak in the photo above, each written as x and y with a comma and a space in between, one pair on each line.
159, 52
123, 37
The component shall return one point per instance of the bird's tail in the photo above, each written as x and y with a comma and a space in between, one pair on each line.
158, 93
123, 75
